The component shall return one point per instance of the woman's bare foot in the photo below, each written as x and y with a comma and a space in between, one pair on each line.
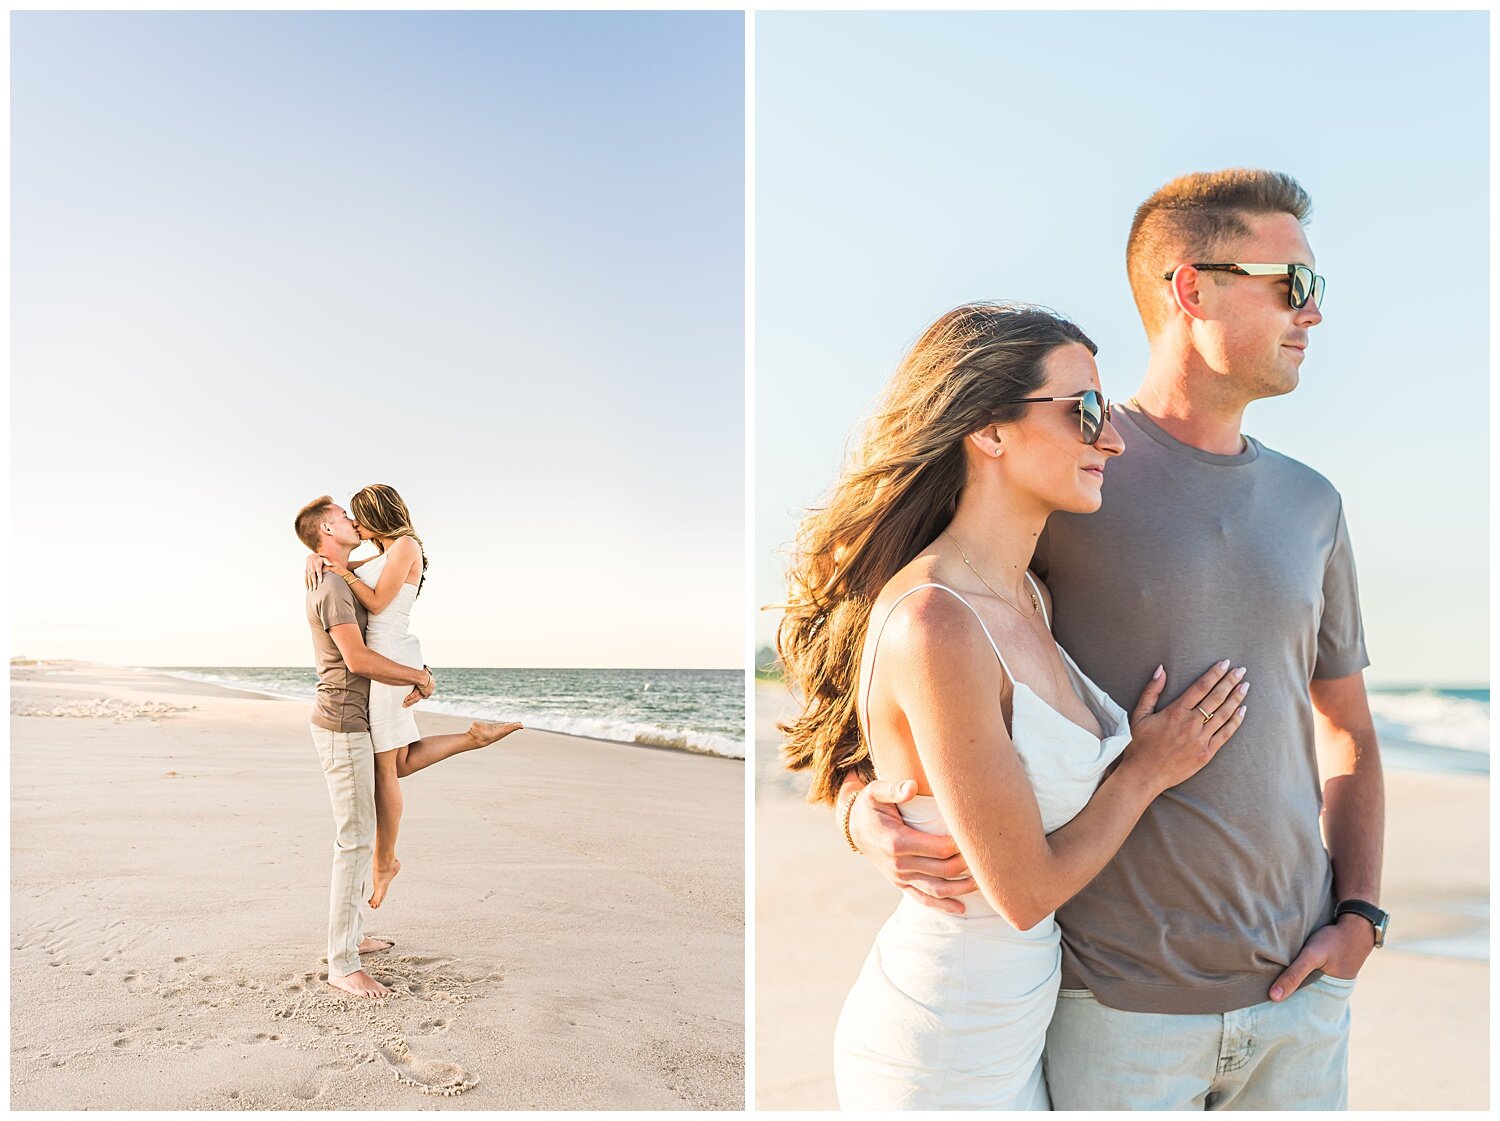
375, 945
484, 733
382, 877
359, 983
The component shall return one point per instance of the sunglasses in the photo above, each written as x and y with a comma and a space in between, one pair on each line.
1305, 282
1093, 411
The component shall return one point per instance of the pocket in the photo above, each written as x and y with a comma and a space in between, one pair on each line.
1074, 994
1338, 984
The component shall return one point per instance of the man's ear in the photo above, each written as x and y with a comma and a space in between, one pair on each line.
1187, 291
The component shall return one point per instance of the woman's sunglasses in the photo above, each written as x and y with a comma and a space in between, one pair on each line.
1093, 411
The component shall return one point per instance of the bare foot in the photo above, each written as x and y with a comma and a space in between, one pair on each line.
382, 878
359, 983
484, 733
375, 945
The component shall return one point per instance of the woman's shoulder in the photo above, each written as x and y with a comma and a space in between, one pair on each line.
403, 548
923, 618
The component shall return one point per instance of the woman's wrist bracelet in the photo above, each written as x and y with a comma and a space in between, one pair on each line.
848, 812
349, 578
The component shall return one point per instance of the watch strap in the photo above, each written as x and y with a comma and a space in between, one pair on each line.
1367, 911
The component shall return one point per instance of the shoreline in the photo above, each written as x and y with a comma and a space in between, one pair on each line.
569, 920
248, 690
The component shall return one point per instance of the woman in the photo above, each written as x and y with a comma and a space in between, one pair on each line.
923, 648
387, 585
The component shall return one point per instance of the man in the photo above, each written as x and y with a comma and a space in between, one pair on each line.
1209, 965
341, 732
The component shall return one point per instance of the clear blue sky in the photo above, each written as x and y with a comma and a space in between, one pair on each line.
492, 259
909, 162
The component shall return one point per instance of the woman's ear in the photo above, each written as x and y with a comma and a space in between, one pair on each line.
988, 440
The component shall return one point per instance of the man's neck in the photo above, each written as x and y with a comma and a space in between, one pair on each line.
333, 551
1173, 395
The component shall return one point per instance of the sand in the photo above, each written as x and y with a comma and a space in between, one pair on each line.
1420, 1036
569, 916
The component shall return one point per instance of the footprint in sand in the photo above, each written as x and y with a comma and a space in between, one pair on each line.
135, 982
429, 1076
317, 1081
434, 1025
261, 1037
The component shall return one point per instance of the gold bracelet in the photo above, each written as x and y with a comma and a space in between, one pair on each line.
350, 578
849, 812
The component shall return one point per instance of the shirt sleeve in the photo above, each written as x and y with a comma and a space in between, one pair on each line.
1341, 631
334, 603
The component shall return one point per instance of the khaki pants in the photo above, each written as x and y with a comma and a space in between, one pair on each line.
348, 760
1291, 1055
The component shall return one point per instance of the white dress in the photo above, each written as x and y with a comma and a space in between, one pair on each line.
951, 1011
391, 726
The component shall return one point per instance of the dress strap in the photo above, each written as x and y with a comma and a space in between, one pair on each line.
1041, 600
875, 653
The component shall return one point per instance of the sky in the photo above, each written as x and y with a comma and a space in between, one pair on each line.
907, 163
495, 260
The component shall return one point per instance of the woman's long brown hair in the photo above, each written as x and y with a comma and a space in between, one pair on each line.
380, 510
898, 491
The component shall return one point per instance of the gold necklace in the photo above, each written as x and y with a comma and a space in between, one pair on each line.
1035, 605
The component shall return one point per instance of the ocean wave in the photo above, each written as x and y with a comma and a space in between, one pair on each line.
1431, 717
597, 727
593, 727
285, 692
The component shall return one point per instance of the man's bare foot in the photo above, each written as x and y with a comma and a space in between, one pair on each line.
484, 733
375, 945
382, 878
359, 983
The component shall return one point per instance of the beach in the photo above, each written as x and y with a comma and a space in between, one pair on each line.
568, 920
1420, 1035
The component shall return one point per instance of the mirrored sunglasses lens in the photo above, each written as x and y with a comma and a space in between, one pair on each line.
1301, 282
1091, 409
1319, 284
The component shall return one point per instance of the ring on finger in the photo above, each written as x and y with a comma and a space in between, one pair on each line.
1207, 716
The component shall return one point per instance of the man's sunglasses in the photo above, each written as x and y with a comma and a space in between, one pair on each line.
1093, 411
1305, 282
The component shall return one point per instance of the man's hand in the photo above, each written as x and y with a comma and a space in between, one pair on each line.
420, 692
926, 866
1338, 949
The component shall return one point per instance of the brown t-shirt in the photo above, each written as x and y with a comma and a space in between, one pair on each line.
343, 699
1195, 557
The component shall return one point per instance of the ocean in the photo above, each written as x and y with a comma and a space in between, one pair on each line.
1432, 729
698, 710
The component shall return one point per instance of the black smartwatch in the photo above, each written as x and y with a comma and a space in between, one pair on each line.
1372, 914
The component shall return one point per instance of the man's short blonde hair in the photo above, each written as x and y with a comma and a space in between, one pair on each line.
1193, 218
309, 521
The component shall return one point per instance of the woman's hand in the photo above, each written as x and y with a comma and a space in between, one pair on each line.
1171, 745
313, 574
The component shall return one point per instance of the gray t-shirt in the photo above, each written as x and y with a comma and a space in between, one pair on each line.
1195, 557
342, 703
